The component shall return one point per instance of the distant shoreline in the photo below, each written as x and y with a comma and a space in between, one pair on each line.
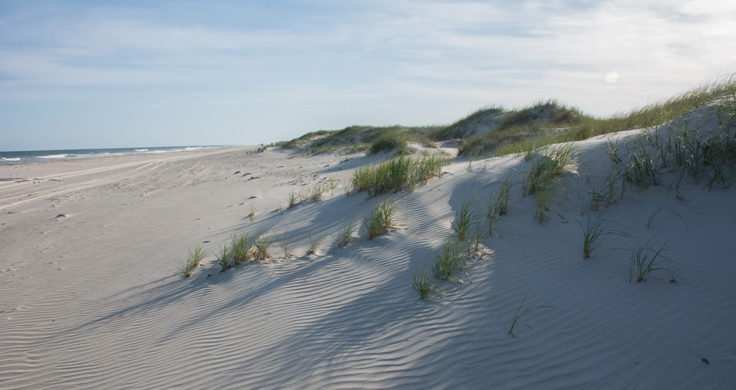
25, 156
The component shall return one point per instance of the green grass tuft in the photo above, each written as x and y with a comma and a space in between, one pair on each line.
423, 285
449, 259
381, 219
260, 248
464, 221
346, 235
397, 174
592, 233
194, 257
645, 261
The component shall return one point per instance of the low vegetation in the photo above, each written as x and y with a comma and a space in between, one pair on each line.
646, 261
346, 235
592, 234
381, 219
192, 261
397, 174
450, 258
465, 220
542, 177
423, 285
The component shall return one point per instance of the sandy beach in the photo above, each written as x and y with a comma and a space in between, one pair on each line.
90, 296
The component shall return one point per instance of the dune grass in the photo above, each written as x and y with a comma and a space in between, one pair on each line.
450, 258
251, 213
240, 248
293, 199
520, 311
194, 257
501, 205
397, 174
592, 234
225, 258
314, 242
381, 219
423, 285
526, 135
465, 220
605, 194
645, 261
260, 248
542, 177
345, 237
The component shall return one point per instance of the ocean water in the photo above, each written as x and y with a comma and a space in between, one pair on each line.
23, 156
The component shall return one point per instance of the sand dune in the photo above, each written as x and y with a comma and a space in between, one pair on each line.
92, 299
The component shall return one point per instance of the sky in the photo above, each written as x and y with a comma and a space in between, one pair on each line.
95, 74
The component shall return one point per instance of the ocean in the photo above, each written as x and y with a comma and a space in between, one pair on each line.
23, 156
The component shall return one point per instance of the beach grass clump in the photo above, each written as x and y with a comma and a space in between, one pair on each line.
423, 285
293, 199
345, 237
604, 195
241, 248
260, 248
545, 194
381, 219
592, 233
645, 261
251, 213
315, 192
546, 167
450, 258
396, 142
397, 174
612, 150
225, 258
194, 257
465, 220
543, 176
641, 169
501, 205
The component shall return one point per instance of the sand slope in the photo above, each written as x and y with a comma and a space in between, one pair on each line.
92, 300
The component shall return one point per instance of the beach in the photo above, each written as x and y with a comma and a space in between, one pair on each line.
91, 296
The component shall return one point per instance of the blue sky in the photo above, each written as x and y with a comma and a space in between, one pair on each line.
78, 74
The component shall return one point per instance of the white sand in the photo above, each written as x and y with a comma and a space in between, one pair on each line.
92, 299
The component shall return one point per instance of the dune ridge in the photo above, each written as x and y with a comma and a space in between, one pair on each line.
93, 300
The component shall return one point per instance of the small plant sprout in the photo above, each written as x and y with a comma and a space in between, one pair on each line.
423, 285
520, 311
381, 219
332, 185
346, 235
314, 242
194, 257
252, 213
449, 259
260, 248
592, 233
465, 219
284, 244
645, 261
